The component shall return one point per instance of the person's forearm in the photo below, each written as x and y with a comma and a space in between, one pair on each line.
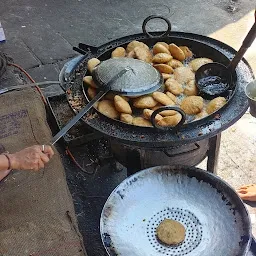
30, 158
4, 163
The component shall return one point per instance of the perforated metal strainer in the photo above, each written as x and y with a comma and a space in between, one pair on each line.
214, 217
194, 231
141, 79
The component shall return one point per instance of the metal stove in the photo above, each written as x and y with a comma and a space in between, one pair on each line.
82, 134
140, 148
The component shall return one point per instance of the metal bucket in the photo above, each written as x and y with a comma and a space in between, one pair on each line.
250, 91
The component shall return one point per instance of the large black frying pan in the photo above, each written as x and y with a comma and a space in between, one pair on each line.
198, 48
216, 220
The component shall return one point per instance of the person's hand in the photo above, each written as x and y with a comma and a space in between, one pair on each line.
248, 192
31, 158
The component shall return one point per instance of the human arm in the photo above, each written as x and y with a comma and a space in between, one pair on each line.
31, 158
4, 164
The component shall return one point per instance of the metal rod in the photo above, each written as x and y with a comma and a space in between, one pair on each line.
73, 121
246, 44
213, 153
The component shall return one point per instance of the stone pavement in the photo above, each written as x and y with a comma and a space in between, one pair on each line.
237, 163
237, 159
40, 36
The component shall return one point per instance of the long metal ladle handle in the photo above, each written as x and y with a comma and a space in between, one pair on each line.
246, 44
74, 120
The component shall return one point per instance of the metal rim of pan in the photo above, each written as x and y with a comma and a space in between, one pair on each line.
196, 45
188, 133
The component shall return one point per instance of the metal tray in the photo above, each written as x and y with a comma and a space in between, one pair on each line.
216, 220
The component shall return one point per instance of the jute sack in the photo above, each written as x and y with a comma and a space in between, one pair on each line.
37, 217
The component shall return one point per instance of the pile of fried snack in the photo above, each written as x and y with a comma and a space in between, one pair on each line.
177, 66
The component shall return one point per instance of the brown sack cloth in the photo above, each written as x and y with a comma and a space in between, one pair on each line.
36, 211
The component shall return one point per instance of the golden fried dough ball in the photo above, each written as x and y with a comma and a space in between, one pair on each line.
191, 88
143, 54
164, 44
197, 63
122, 105
92, 63
215, 104
192, 105
170, 121
172, 97
162, 98
173, 86
147, 113
146, 101
118, 52
171, 232
140, 121
91, 92
163, 68
107, 108
131, 54
158, 48
183, 75
176, 52
96, 104
162, 58
111, 96
166, 76
165, 112
126, 118
186, 51
175, 63
201, 115
130, 47
168, 112
126, 98
156, 107
89, 81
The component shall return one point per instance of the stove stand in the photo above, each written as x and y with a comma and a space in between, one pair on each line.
139, 158
134, 158
213, 153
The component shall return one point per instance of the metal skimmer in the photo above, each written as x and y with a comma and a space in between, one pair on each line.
194, 231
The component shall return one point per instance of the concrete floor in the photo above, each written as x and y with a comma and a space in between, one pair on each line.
237, 163
237, 159
40, 35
